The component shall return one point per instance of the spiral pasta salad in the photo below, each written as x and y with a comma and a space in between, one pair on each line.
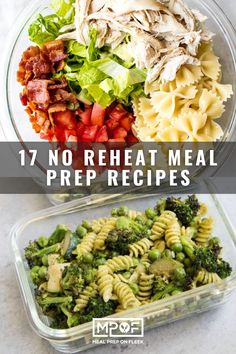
122, 71
125, 260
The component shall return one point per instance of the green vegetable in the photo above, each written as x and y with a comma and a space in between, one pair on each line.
87, 225
88, 258
72, 281
177, 247
47, 28
42, 241
134, 287
150, 213
180, 257
154, 255
185, 210
81, 231
58, 235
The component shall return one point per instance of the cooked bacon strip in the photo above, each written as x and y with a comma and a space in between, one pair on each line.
37, 92
56, 107
66, 96
55, 50
58, 83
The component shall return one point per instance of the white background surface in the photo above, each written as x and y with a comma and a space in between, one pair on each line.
212, 332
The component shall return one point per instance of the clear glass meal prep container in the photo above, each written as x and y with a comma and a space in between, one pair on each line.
155, 314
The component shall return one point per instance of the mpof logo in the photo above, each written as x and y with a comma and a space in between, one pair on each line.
117, 327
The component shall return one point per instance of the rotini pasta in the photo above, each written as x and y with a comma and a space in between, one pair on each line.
172, 233
204, 231
104, 282
99, 243
145, 284
140, 247
205, 277
120, 263
98, 224
160, 226
89, 292
86, 245
125, 294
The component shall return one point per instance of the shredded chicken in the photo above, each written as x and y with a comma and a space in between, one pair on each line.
158, 31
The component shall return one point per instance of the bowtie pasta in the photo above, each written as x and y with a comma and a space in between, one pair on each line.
187, 108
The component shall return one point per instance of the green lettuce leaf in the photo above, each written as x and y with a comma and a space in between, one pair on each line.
64, 9
47, 28
89, 75
78, 49
100, 96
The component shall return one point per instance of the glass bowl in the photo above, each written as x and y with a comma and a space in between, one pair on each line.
15, 121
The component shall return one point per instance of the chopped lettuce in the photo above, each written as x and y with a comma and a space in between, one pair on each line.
78, 49
64, 9
47, 28
100, 96
89, 75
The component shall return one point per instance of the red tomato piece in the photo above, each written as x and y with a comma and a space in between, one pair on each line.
111, 124
89, 133
68, 133
118, 112
85, 115
119, 133
127, 122
24, 99
98, 115
80, 129
102, 135
65, 119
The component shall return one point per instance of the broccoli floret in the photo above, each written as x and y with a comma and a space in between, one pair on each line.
170, 289
208, 258
97, 308
127, 231
182, 210
38, 274
159, 284
118, 240
34, 253
224, 269
205, 258
30, 250
185, 210
73, 319
194, 204
72, 279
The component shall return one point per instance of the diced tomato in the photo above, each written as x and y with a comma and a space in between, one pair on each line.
112, 124
118, 112
119, 133
80, 129
65, 119
127, 122
68, 133
47, 135
24, 99
85, 115
131, 138
102, 135
98, 115
89, 133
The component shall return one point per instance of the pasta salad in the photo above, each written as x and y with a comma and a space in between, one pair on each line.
125, 260
122, 71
